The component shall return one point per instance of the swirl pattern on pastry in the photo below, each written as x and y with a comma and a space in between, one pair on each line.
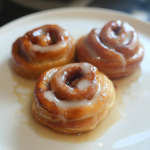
73, 98
115, 49
40, 49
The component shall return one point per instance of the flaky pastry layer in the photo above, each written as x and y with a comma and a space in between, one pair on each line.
33, 54
67, 116
115, 49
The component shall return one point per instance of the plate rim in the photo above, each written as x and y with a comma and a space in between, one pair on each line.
65, 9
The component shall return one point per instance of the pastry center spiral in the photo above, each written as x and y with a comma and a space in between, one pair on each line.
115, 42
42, 37
75, 82
116, 34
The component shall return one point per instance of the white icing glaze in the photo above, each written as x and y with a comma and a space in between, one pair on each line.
49, 75
138, 54
86, 68
90, 50
127, 27
83, 84
38, 32
50, 96
119, 22
65, 33
135, 38
54, 47
127, 39
61, 32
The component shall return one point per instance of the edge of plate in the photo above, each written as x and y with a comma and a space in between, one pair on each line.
71, 9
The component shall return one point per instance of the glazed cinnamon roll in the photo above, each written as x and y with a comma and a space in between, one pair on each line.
40, 49
73, 98
115, 49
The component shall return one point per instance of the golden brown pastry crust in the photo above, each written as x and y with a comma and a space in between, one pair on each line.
114, 50
76, 115
40, 49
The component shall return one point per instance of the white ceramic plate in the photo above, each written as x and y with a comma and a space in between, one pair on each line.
127, 125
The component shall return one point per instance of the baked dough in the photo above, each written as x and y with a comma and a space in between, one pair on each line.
73, 98
40, 49
115, 49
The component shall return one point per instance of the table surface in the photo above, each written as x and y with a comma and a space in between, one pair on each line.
139, 8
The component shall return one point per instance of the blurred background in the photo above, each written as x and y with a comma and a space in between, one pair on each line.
13, 9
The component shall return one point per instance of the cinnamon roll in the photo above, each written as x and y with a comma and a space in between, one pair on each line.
115, 49
73, 98
40, 49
